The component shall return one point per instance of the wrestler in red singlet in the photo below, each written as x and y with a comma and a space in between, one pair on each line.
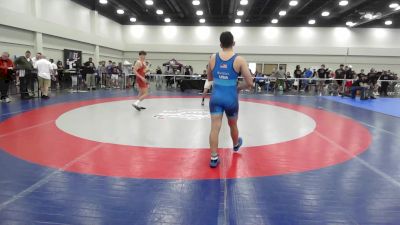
140, 70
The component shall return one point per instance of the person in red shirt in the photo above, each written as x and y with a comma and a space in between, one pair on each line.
6, 67
140, 70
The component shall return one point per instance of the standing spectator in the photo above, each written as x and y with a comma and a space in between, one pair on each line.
115, 75
373, 81
384, 84
6, 68
54, 82
322, 75
102, 73
349, 76
44, 75
90, 74
158, 77
36, 58
307, 73
60, 73
24, 66
281, 77
340, 74
298, 74
109, 73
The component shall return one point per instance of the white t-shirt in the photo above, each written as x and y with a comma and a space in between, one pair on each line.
44, 68
55, 67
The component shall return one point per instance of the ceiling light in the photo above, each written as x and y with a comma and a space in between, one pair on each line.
120, 11
238, 21
244, 2
196, 2
199, 12
350, 23
240, 13
103, 2
394, 5
325, 13
282, 13
388, 22
159, 12
274, 21
167, 20
343, 3
202, 20
311, 22
149, 2
293, 3
132, 19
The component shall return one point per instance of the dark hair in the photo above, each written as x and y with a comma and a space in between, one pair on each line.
51, 60
226, 39
28, 52
142, 53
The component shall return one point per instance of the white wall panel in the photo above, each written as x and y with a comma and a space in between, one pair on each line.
19, 6
65, 13
61, 43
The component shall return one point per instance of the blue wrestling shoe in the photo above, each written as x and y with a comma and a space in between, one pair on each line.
214, 162
237, 147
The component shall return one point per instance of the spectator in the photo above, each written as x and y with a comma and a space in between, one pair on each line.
54, 79
322, 75
36, 58
298, 74
361, 74
340, 74
281, 77
6, 69
307, 73
24, 66
109, 73
102, 74
373, 77
115, 75
60, 72
90, 68
45, 71
349, 76
159, 78
362, 85
384, 84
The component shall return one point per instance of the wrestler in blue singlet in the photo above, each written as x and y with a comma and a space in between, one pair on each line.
224, 97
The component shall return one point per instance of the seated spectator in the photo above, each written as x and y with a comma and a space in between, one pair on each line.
362, 85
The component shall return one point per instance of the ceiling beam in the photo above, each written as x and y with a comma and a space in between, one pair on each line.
208, 7
176, 8
266, 2
303, 7
231, 6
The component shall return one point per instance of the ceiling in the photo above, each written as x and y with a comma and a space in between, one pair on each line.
256, 12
